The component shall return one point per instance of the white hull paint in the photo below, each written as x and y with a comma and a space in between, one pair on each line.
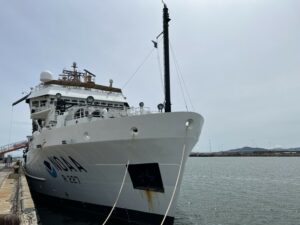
103, 148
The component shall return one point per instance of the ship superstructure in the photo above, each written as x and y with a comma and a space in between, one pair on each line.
73, 98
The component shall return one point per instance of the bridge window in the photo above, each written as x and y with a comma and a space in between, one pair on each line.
35, 103
79, 113
43, 103
96, 113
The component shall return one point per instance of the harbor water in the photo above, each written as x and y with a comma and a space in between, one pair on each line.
220, 191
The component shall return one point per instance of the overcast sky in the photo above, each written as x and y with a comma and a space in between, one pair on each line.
240, 60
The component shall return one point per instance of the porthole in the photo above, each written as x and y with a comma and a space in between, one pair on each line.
134, 130
189, 123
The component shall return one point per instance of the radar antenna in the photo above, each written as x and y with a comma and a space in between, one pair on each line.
71, 75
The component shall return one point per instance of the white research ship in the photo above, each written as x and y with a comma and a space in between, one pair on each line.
89, 146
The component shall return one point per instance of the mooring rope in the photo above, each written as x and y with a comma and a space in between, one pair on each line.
177, 180
174, 191
118, 196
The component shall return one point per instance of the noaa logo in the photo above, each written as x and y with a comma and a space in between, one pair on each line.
50, 169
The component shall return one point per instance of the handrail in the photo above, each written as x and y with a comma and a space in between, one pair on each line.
13, 146
110, 113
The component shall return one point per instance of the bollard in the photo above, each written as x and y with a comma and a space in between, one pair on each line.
16, 169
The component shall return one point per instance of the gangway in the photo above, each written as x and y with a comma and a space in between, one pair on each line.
12, 147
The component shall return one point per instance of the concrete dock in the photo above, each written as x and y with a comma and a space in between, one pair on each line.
16, 204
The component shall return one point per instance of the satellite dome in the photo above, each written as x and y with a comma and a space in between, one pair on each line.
46, 76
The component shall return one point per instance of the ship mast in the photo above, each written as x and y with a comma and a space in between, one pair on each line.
166, 20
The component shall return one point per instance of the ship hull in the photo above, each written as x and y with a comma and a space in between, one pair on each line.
97, 213
87, 163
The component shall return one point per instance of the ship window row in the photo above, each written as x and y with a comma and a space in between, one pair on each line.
39, 103
43, 103
97, 103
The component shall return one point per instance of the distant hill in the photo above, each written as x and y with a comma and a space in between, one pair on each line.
247, 149
251, 149
287, 149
